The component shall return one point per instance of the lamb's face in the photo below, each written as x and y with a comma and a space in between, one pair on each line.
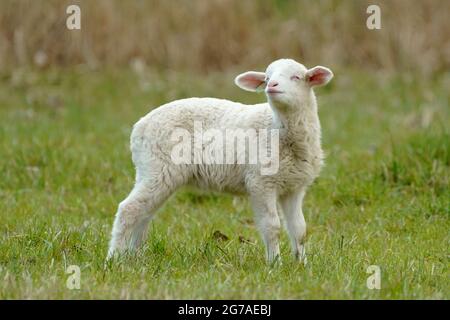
285, 82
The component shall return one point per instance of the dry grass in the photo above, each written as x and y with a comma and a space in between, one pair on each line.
217, 34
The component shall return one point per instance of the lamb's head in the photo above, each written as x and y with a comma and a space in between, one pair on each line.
285, 82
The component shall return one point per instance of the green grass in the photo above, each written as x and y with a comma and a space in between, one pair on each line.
383, 198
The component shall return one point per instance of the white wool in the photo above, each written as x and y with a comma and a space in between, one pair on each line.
293, 111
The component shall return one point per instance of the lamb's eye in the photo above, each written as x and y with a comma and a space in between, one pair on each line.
296, 78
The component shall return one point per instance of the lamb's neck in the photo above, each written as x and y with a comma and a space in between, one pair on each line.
298, 125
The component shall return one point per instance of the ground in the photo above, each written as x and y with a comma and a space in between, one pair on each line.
382, 199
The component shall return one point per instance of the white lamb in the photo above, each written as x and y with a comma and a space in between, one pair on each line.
291, 108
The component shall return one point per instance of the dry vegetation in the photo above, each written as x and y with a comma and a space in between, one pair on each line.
216, 34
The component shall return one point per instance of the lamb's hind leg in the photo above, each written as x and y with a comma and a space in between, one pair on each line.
134, 213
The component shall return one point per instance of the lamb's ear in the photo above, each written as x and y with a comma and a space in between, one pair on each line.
251, 81
318, 76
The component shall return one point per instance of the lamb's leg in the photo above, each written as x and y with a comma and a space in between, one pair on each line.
131, 222
295, 222
268, 222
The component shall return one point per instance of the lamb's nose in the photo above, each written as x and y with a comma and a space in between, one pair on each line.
272, 84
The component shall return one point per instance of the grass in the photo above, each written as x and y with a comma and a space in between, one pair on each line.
383, 198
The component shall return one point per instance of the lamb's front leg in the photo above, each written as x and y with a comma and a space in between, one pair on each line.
295, 222
268, 222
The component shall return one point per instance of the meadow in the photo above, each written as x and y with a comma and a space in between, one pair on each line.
382, 199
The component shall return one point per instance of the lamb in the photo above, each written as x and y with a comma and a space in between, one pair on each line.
291, 110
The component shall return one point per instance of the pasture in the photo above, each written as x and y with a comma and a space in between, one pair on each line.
382, 199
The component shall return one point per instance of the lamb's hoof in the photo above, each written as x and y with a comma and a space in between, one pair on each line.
304, 260
275, 262
300, 256
114, 253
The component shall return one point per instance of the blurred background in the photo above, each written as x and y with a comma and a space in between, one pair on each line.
201, 36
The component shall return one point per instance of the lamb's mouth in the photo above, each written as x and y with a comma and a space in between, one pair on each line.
273, 91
